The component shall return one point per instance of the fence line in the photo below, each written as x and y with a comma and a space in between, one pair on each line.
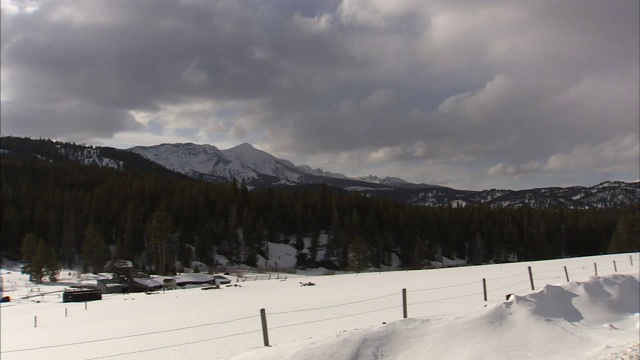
337, 317
588, 269
583, 267
447, 298
129, 336
171, 346
332, 306
546, 271
505, 277
444, 287
509, 286
551, 278
590, 272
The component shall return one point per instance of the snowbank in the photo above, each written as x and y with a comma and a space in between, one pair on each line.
351, 316
594, 318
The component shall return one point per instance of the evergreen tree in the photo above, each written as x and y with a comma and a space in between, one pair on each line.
232, 241
68, 240
93, 249
29, 247
52, 269
627, 235
359, 252
159, 232
39, 262
313, 246
133, 236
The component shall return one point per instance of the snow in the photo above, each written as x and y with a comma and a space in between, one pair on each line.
364, 188
183, 158
90, 157
349, 316
261, 162
283, 256
240, 162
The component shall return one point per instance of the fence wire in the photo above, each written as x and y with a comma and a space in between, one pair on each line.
336, 317
573, 272
332, 306
129, 336
174, 345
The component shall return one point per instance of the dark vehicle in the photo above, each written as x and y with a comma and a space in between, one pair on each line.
221, 280
82, 294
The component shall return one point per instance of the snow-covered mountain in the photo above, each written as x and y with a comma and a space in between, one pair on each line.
91, 156
243, 162
385, 181
258, 168
604, 195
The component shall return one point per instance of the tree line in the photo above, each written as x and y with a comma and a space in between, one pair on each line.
88, 216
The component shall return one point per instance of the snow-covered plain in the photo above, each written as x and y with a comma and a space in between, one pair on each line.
349, 316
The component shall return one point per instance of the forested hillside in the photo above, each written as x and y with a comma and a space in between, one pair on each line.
89, 215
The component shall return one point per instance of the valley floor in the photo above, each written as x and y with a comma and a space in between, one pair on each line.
349, 316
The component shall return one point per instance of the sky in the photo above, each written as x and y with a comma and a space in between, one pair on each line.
342, 317
467, 94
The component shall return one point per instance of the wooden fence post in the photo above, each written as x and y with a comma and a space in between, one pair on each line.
265, 331
595, 267
484, 288
615, 267
531, 278
566, 273
404, 303
631, 260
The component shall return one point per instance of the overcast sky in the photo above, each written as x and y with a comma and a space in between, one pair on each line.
462, 93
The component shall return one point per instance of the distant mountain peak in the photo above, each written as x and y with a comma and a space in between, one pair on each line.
388, 180
258, 168
243, 146
393, 180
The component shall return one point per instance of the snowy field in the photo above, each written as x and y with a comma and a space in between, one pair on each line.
349, 316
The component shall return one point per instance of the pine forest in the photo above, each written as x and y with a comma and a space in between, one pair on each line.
76, 215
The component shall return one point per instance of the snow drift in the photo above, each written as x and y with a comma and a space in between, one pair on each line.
552, 323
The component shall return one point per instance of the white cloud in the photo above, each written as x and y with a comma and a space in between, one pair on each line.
14, 7
480, 104
194, 75
211, 120
621, 153
418, 150
315, 25
375, 13
503, 169
379, 99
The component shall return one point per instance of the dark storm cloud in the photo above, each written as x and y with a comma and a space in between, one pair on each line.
47, 120
136, 54
500, 89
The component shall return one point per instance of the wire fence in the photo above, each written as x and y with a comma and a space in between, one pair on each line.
499, 288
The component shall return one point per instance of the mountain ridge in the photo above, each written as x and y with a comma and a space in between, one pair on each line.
258, 168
